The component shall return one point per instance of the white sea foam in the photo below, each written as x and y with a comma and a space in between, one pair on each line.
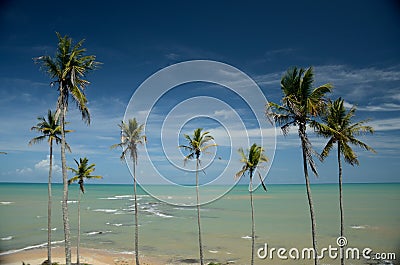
157, 213
29, 247
117, 225
127, 252
97, 233
6, 203
71, 201
123, 196
6, 238
105, 210
45, 229
359, 226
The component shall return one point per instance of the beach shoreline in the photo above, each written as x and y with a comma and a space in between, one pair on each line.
87, 255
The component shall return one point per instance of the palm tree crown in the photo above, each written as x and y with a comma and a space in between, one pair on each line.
197, 144
301, 104
131, 136
339, 128
69, 68
251, 161
49, 129
83, 172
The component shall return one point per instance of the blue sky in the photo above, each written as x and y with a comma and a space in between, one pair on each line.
351, 44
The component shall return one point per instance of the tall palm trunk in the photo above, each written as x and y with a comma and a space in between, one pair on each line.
252, 218
341, 203
49, 205
136, 216
79, 228
198, 211
302, 132
65, 181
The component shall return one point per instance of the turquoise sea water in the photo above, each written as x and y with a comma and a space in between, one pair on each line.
372, 219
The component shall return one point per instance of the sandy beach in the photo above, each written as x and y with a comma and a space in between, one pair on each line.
91, 256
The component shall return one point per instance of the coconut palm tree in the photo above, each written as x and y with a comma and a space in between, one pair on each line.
338, 127
301, 104
131, 136
51, 130
82, 172
251, 161
68, 69
197, 145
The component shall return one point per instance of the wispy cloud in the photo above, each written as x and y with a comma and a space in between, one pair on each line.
390, 124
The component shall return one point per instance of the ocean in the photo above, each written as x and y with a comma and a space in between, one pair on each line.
169, 232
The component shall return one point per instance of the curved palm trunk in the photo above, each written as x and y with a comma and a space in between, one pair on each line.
79, 228
302, 131
341, 204
198, 212
49, 205
136, 216
252, 219
65, 185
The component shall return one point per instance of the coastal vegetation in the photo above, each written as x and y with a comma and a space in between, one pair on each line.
338, 127
196, 146
82, 172
68, 70
252, 161
302, 106
51, 130
132, 136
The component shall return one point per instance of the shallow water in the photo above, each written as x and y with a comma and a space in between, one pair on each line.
372, 219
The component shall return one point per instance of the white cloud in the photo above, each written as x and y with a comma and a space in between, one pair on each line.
44, 165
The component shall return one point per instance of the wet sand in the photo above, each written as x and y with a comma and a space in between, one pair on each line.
90, 256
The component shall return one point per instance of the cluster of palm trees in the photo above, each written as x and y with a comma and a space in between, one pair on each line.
68, 70
302, 106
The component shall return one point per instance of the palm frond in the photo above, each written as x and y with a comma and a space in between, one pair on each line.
262, 182
328, 147
37, 139
241, 172
349, 156
204, 148
309, 152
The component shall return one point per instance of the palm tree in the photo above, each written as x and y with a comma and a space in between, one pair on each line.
251, 161
83, 172
131, 136
301, 104
196, 146
68, 69
338, 127
51, 130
